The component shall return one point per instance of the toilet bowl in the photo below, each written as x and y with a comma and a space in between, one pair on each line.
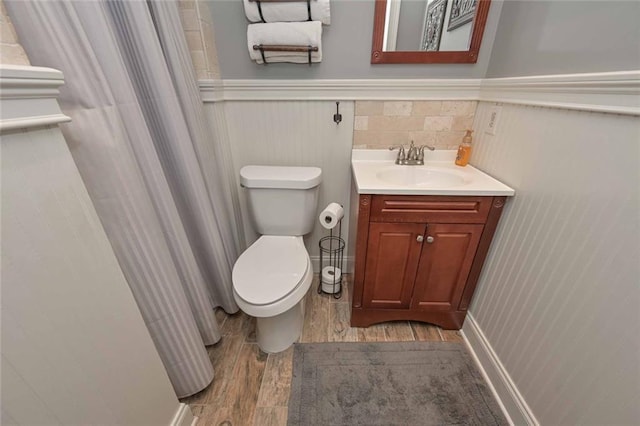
270, 280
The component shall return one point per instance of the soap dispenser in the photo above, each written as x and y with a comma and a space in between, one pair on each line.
464, 150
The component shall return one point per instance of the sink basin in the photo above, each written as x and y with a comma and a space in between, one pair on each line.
374, 172
419, 176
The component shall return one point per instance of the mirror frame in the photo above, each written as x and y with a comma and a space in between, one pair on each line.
378, 56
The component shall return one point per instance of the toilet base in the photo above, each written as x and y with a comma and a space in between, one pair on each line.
275, 334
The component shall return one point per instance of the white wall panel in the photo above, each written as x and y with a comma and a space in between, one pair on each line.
559, 296
75, 349
72, 335
298, 133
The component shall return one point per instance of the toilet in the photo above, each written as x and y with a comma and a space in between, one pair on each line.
271, 277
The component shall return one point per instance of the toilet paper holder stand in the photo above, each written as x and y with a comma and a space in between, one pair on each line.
332, 262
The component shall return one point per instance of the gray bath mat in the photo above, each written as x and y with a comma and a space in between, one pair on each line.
407, 383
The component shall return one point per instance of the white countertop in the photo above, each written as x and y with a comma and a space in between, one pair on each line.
368, 164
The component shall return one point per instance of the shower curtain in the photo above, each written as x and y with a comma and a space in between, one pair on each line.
147, 156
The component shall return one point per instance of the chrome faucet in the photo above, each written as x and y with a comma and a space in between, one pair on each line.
413, 157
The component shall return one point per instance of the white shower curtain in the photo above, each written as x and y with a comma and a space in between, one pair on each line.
147, 156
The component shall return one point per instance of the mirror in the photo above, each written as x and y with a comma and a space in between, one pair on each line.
428, 31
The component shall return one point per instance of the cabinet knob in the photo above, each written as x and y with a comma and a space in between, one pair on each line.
429, 239
420, 238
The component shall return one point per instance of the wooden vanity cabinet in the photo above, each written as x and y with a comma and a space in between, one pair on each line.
419, 257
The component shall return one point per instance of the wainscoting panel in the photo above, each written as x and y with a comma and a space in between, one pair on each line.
294, 133
558, 298
75, 349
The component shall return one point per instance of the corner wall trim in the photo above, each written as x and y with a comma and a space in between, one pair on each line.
506, 391
610, 92
183, 416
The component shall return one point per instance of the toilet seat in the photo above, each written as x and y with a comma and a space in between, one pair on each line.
272, 275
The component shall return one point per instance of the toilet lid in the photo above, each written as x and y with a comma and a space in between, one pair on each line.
270, 269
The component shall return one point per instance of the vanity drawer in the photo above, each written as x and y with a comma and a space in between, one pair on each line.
429, 208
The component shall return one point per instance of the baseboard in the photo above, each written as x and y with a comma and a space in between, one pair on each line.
511, 401
183, 417
348, 264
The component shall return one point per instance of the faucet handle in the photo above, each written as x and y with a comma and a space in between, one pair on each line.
421, 151
401, 155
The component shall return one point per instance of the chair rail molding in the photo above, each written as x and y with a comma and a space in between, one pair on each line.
610, 92
339, 90
28, 97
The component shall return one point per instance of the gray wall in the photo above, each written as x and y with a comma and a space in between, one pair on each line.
346, 48
563, 37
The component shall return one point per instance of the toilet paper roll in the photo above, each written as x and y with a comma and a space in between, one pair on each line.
331, 215
331, 275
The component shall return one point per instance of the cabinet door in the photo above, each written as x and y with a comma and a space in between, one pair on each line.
393, 253
447, 256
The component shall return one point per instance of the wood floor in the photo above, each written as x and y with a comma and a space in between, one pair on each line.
252, 388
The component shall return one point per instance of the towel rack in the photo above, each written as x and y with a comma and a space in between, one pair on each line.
281, 1
283, 48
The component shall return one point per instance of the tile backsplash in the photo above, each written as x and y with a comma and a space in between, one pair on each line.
379, 124
11, 51
198, 30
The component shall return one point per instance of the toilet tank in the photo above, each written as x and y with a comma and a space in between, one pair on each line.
282, 200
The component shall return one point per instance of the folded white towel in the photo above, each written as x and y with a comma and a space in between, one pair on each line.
285, 33
288, 11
